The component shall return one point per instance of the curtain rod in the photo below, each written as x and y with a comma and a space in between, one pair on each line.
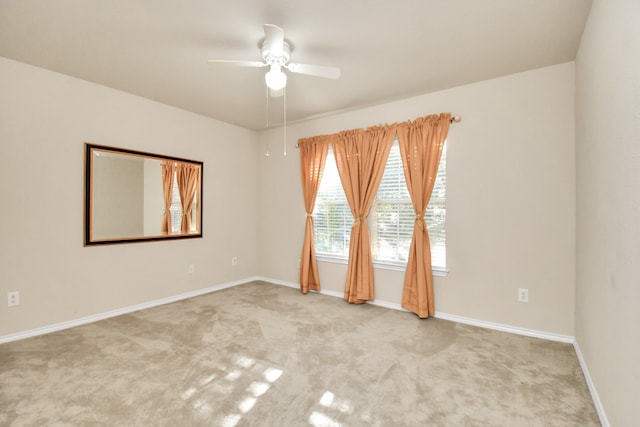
454, 119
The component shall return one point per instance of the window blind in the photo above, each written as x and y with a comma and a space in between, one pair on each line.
390, 220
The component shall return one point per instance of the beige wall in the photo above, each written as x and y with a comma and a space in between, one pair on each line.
45, 119
510, 199
608, 205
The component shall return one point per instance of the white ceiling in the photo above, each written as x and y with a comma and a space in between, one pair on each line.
387, 50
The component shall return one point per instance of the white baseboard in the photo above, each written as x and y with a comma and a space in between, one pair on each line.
454, 318
592, 388
506, 328
297, 286
393, 306
119, 311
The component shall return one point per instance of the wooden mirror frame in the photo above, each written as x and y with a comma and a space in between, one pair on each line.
93, 151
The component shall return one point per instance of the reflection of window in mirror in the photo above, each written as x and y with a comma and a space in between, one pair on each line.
176, 209
132, 196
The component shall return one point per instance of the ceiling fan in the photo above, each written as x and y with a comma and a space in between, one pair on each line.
276, 52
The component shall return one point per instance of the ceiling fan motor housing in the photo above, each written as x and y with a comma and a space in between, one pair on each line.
272, 58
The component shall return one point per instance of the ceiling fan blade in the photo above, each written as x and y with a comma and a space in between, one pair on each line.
274, 39
315, 70
234, 63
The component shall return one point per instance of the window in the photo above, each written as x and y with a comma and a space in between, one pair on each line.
332, 216
390, 220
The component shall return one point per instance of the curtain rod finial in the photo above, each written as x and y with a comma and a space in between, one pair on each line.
456, 119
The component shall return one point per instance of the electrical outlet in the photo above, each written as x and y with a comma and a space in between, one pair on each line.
192, 268
523, 295
13, 298
234, 261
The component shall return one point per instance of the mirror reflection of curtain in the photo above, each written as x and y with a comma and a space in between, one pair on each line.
421, 143
187, 176
168, 169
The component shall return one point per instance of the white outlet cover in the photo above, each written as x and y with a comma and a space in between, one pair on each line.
523, 295
13, 298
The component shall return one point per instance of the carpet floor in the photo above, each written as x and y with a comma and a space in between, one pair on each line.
266, 355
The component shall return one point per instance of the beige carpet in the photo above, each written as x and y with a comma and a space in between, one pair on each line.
266, 355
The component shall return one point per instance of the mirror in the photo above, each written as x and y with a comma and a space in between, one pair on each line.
132, 196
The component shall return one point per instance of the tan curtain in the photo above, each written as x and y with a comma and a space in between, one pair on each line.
313, 154
421, 143
168, 168
187, 175
361, 157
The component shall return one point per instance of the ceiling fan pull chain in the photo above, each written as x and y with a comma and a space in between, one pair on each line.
267, 114
284, 142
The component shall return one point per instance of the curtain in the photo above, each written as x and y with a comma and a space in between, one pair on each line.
361, 156
421, 143
313, 154
168, 168
187, 176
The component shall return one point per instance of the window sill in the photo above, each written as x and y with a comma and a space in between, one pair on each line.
382, 265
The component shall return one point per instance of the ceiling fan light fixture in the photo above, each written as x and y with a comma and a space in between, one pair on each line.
275, 78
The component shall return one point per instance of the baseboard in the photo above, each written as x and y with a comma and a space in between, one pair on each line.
117, 312
329, 293
393, 306
506, 328
297, 286
439, 315
592, 388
